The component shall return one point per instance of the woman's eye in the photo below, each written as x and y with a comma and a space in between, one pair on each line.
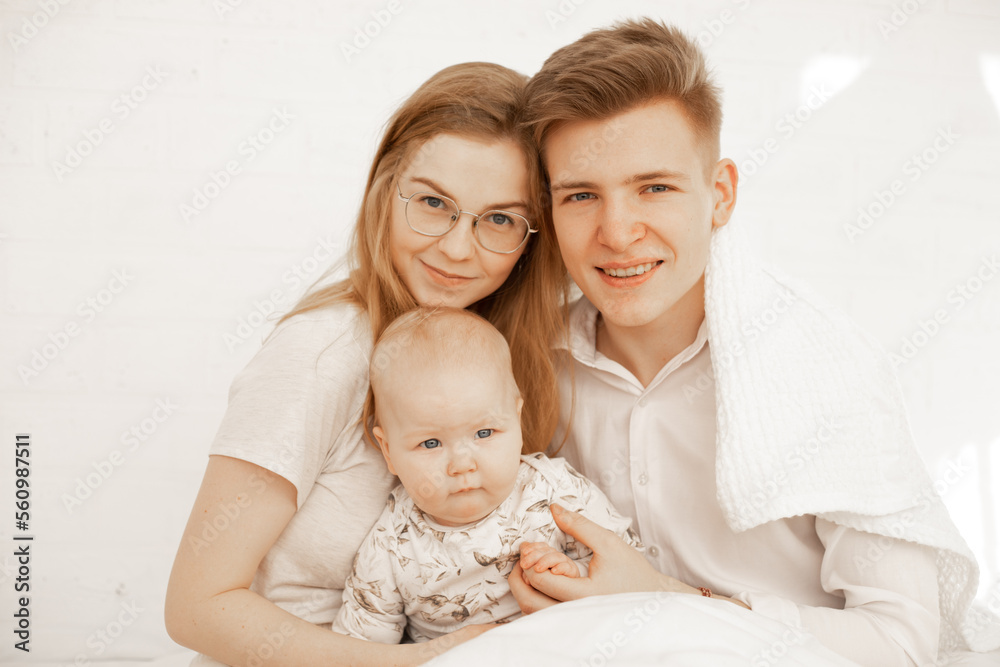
499, 219
484, 433
580, 196
430, 444
432, 202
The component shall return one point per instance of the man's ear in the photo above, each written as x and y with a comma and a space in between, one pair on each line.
383, 445
724, 185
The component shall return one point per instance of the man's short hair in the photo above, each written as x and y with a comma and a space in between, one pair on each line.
612, 70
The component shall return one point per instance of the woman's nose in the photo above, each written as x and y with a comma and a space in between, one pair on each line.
460, 241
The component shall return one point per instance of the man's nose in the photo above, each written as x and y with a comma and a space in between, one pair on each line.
621, 225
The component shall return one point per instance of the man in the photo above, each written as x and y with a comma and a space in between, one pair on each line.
757, 439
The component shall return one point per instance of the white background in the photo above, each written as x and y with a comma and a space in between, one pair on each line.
896, 74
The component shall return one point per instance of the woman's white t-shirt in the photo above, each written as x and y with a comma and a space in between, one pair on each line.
295, 410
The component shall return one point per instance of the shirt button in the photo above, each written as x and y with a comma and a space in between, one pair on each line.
643, 478
642, 402
653, 551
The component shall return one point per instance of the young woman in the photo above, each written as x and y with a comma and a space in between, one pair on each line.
449, 216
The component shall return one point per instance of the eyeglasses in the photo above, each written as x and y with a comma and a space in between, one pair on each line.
434, 215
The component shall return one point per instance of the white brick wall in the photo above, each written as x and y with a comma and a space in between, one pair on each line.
162, 336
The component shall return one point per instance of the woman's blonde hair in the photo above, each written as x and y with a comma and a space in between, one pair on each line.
480, 101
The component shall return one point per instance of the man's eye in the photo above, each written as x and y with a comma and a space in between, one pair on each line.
430, 444
659, 188
580, 196
484, 433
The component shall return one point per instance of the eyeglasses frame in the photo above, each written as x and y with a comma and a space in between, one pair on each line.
475, 220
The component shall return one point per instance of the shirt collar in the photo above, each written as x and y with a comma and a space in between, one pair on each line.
582, 342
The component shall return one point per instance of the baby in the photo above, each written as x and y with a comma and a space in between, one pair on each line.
447, 420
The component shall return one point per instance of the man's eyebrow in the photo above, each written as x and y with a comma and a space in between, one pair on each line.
664, 174
573, 185
438, 189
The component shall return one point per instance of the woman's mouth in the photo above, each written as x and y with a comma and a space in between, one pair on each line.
444, 278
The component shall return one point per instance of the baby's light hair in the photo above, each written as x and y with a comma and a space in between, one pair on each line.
427, 335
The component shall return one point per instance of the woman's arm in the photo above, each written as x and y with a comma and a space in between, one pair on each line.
240, 511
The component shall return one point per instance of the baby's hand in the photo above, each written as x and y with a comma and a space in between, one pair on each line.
539, 556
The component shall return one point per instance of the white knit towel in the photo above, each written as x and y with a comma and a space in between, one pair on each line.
811, 421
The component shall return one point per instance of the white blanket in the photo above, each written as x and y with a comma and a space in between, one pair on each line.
644, 629
811, 421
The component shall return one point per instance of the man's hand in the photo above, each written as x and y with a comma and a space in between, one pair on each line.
539, 557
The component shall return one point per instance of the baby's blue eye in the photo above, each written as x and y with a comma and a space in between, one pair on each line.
430, 444
484, 433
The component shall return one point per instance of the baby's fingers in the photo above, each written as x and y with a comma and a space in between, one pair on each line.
566, 568
549, 561
531, 552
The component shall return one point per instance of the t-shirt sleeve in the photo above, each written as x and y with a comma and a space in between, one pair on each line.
373, 606
577, 493
298, 396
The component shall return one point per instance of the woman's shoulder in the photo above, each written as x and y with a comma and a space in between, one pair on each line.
333, 329
336, 318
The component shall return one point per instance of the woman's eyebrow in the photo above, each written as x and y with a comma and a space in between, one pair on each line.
433, 185
436, 187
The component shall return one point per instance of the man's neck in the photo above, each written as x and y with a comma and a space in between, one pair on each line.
644, 350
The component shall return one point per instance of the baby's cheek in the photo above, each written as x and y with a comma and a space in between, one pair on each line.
424, 486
